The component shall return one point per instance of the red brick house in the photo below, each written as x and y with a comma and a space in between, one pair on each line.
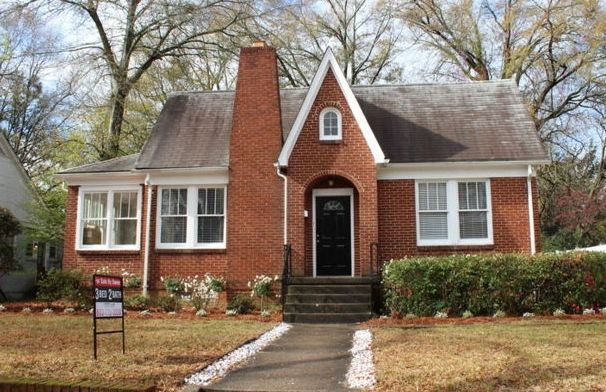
346, 176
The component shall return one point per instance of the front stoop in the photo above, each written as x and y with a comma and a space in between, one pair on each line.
328, 300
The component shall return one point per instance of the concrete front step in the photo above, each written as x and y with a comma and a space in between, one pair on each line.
329, 289
326, 318
331, 280
327, 298
327, 308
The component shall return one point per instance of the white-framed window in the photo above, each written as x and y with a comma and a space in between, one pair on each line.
453, 212
330, 124
191, 217
109, 218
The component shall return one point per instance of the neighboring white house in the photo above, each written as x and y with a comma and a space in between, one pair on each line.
16, 195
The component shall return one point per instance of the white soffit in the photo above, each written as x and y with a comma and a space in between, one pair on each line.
446, 170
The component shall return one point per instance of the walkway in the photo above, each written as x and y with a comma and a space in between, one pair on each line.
309, 357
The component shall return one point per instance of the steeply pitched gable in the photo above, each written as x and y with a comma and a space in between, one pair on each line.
329, 62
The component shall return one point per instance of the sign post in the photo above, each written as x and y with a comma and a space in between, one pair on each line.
108, 294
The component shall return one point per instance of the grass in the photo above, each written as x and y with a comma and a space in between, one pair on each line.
506, 356
160, 351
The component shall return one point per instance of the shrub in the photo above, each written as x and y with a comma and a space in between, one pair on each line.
169, 303
483, 284
441, 315
467, 314
559, 312
241, 304
64, 285
261, 287
173, 284
131, 280
137, 302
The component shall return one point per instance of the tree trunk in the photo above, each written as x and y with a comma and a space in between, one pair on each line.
112, 148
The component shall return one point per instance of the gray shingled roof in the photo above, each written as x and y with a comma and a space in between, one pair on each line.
473, 121
120, 164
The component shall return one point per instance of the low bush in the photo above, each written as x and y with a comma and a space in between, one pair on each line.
241, 304
169, 303
485, 284
65, 285
137, 302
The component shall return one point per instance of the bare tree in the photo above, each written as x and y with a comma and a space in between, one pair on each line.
132, 35
364, 34
31, 116
554, 49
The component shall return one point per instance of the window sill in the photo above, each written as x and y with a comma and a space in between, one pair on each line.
329, 141
217, 251
108, 251
455, 247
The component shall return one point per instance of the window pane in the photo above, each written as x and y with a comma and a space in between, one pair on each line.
165, 201
174, 201
201, 201
210, 229
331, 124
432, 196
433, 225
210, 201
125, 205
173, 229
95, 205
94, 231
482, 195
125, 232
472, 195
473, 224
220, 197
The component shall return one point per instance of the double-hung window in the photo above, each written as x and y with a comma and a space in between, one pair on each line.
453, 212
192, 217
109, 219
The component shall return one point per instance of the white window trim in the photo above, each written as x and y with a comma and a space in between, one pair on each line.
192, 219
110, 215
452, 201
339, 134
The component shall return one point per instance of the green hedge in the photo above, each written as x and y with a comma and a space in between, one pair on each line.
483, 284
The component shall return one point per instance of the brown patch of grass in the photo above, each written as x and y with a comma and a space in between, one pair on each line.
161, 351
537, 355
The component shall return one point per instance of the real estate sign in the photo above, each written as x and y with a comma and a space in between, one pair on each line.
109, 300
108, 296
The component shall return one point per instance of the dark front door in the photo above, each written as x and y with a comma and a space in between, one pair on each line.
333, 235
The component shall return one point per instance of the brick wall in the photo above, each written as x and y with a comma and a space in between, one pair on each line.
89, 261
397, 220
161, 262
255, 195
349, 163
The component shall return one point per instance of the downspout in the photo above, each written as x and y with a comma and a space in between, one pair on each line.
147, 234
533, 248
285, 224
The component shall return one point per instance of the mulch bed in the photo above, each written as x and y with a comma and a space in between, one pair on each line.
389, 321
155, 313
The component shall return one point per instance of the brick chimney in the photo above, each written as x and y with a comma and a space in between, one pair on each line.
254, 221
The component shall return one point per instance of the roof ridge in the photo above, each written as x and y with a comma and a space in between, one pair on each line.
355, 86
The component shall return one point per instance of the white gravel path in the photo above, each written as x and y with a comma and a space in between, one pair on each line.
361, 373
222, 366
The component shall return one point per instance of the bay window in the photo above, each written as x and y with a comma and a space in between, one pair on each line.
109, 219
453, 212
192, 217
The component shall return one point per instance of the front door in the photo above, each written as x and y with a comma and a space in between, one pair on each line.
333, 235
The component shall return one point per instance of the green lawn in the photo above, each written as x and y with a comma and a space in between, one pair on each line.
547, 355
159, 351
